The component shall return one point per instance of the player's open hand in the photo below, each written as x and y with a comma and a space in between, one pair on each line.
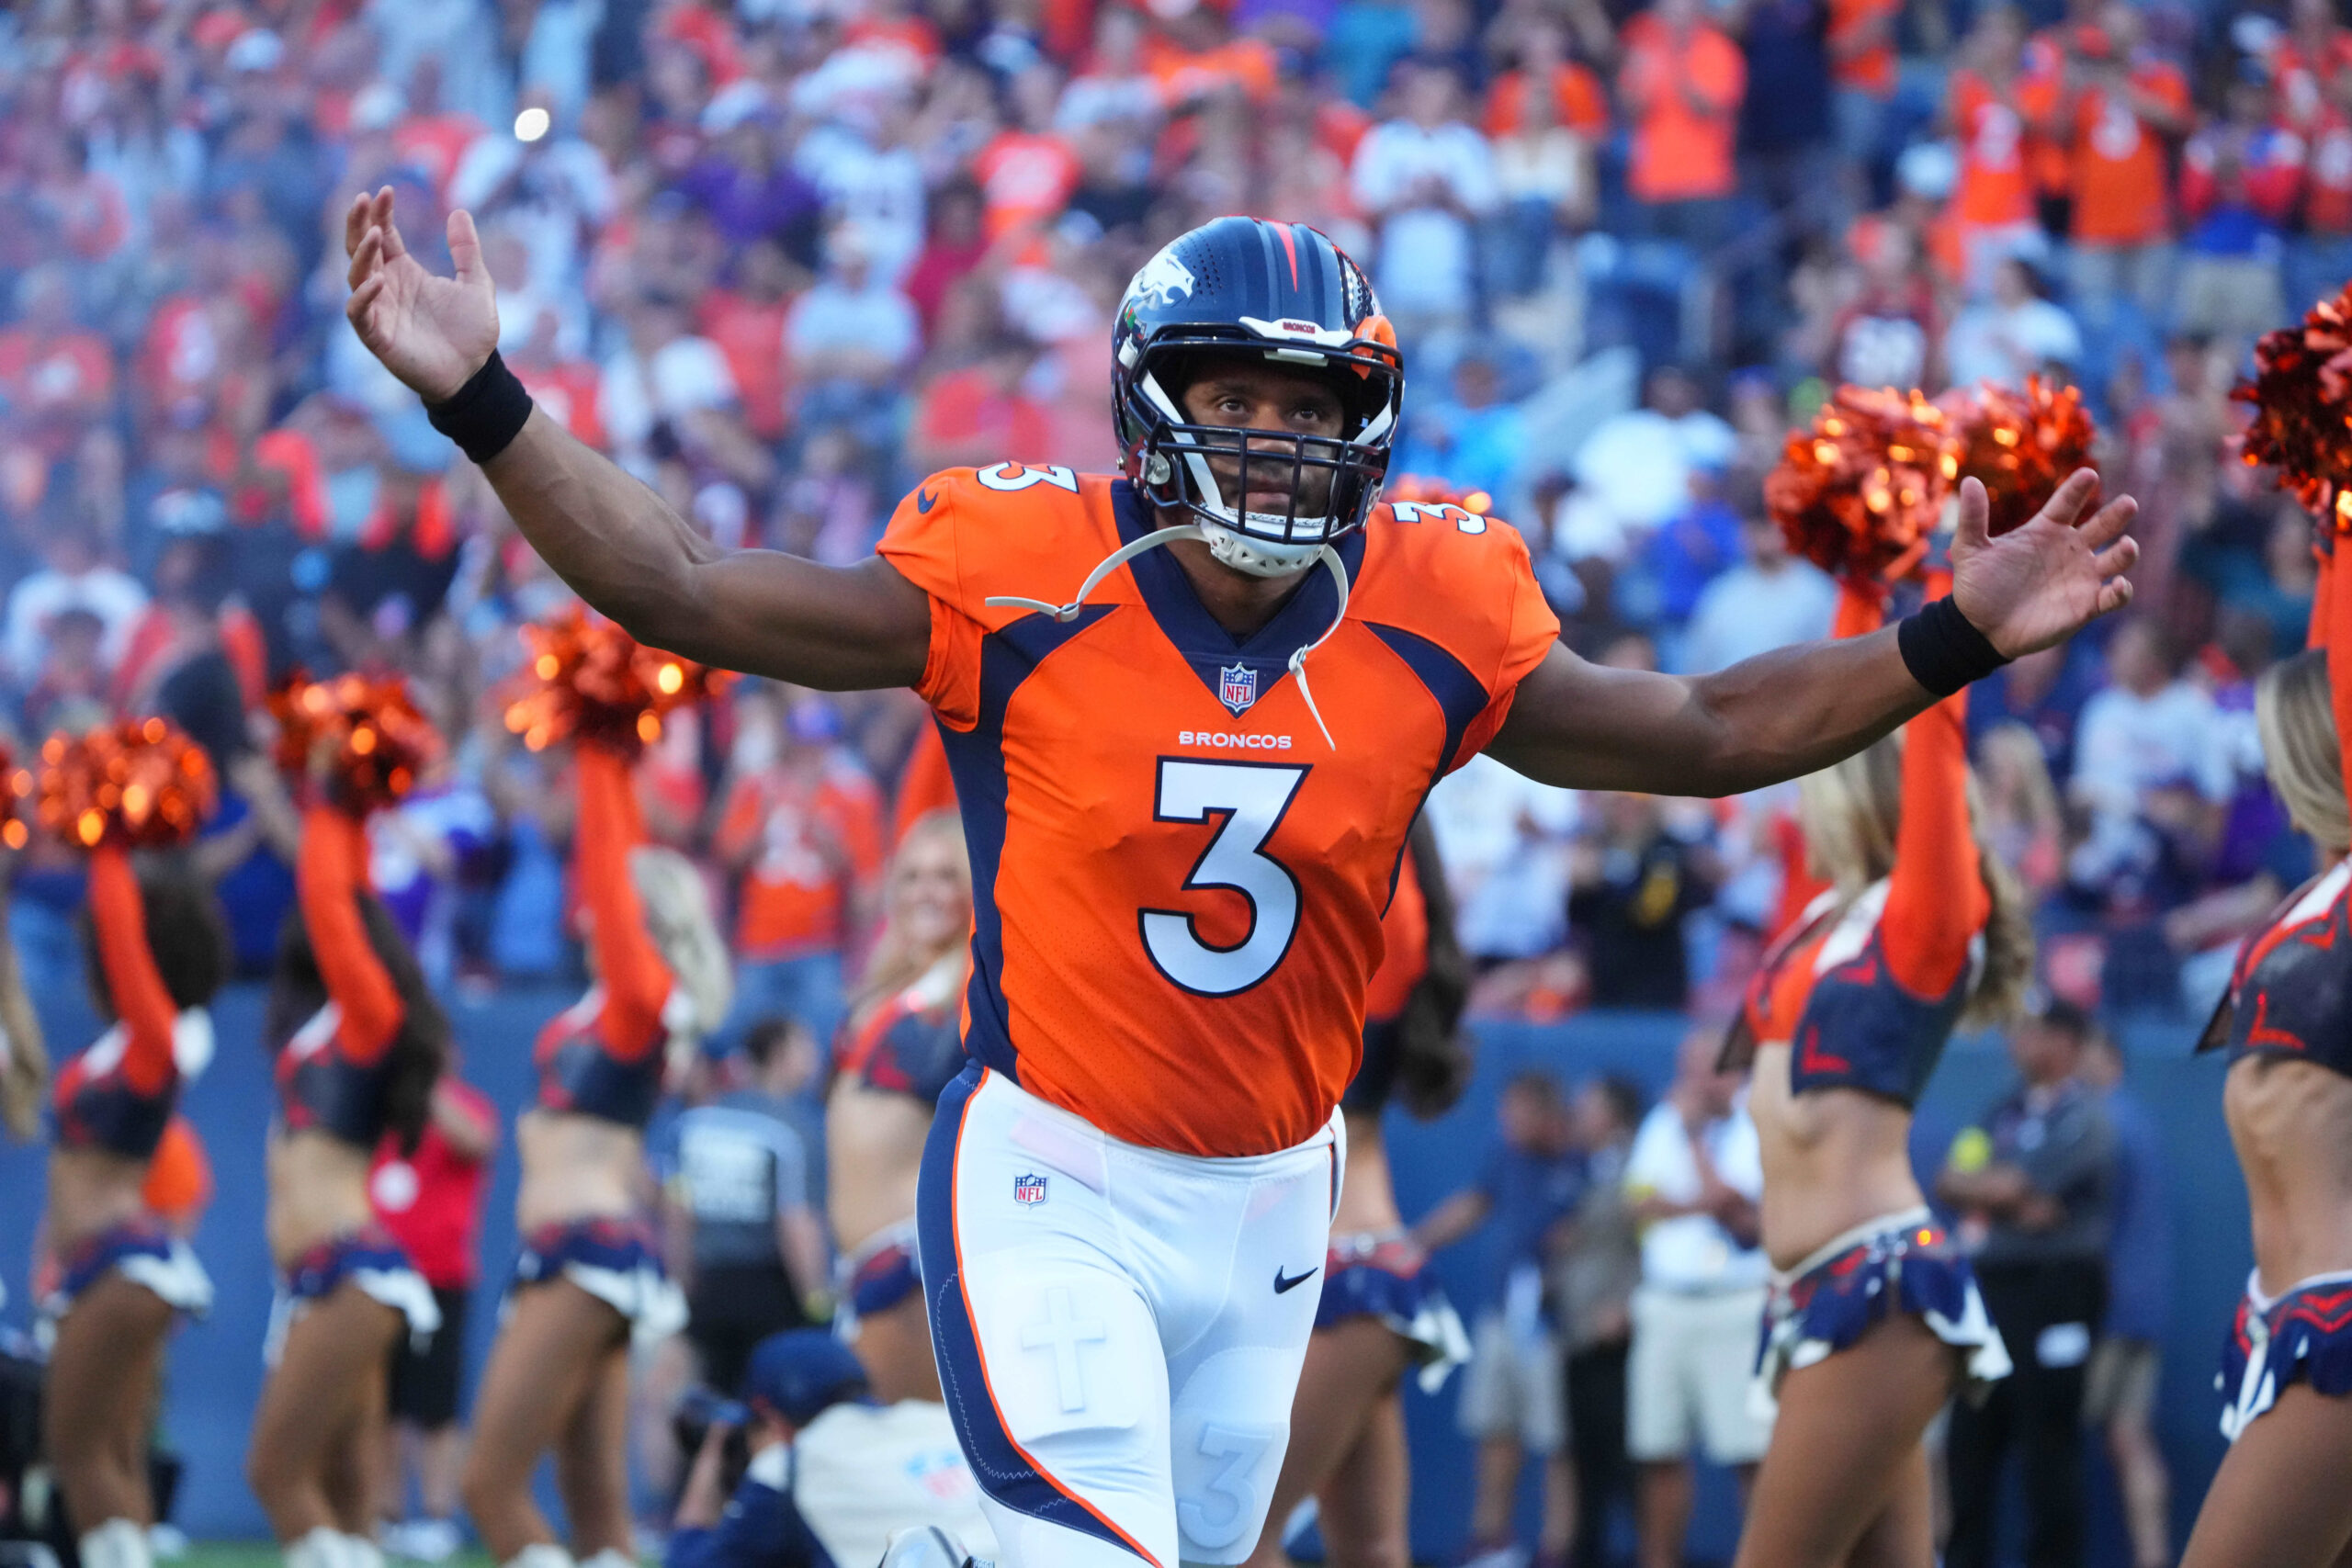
432, 332
2036, 586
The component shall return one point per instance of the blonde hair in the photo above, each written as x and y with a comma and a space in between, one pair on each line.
2013, 744
896, 962
24, 1061
2294, 711
678, 918
1851, 812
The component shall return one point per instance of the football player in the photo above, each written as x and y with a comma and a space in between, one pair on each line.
1191, 711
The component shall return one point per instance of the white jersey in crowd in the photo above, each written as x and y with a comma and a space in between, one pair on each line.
1693, 1252
864, 1471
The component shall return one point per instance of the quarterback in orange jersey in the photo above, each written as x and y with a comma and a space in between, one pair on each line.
1191, 712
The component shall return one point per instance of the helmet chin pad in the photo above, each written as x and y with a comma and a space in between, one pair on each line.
1258, 558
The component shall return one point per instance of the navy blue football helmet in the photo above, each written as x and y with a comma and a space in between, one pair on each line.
1243, 286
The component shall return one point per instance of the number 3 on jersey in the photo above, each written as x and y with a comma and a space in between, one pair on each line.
1252, 797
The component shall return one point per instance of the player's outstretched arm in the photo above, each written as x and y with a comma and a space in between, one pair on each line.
609, 537
1796, 710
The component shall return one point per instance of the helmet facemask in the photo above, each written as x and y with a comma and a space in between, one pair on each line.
1331, 482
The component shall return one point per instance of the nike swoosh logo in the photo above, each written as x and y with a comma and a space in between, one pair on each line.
1282, 1286
925, 501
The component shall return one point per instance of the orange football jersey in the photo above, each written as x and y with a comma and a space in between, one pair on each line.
1178, 882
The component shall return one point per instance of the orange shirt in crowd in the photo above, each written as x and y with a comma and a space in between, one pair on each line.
43, 374
2327, 177
1185, 75
1868, 68
964, 417
2308, 86
1995, 189
1577, 102
812, 844
568, 391
2122, 190
1680, 152
749, 336
434, 144
1025, 178
925, 787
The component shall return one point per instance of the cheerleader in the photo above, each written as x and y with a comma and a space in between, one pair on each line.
1874, 1317
902, 1046
1383, 1312
2286, 1022
157, 949
359, 1042
590, 1278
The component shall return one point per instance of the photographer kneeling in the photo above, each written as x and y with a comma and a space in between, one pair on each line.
830, 1474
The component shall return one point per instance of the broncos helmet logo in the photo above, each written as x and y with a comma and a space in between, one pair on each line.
1162, 281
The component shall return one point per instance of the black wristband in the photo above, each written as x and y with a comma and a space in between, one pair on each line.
1942, 651
485, 413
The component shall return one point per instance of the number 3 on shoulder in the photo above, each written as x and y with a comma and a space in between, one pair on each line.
1014, 476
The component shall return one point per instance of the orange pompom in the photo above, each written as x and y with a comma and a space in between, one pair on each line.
588, 680
140, 784
1430, 490
2022, 445
382, 743
2301, 398
1860, 494
15, 788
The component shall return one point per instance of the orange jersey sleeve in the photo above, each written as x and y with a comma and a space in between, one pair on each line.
1936, 901
331, 872
635, 981
133, 982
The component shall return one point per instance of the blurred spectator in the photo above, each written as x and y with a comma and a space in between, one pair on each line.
800, 825
1503, 839
2012, 333
2151, 772
74, 576
1632, 883
431, 1199
1471, 438
2239, 181
1692, 1178
2124, 109
740, 1190
1545, 118
1991, 103
1634, 471
849, 337
1770, 601
2035, 1184
1596, 1263
1426, 180
1890, 333
1682, 82
1512, 1394
2120, 1389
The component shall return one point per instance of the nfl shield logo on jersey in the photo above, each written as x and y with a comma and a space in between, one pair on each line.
1028, 1189
1237, 686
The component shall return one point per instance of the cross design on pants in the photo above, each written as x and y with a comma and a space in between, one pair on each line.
1062, 1332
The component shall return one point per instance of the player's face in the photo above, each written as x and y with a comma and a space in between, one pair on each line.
1248, 394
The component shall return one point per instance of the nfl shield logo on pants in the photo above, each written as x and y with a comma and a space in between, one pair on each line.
1237, 686
1028, 1189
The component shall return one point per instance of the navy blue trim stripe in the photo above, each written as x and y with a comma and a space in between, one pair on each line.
1458, 692
1004, 1473
976, 762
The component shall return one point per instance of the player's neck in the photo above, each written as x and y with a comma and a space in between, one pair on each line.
1239, 603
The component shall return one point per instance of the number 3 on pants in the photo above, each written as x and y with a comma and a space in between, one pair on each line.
1232, 1504
1252, 797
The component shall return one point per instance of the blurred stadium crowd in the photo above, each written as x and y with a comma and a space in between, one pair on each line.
779, 258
